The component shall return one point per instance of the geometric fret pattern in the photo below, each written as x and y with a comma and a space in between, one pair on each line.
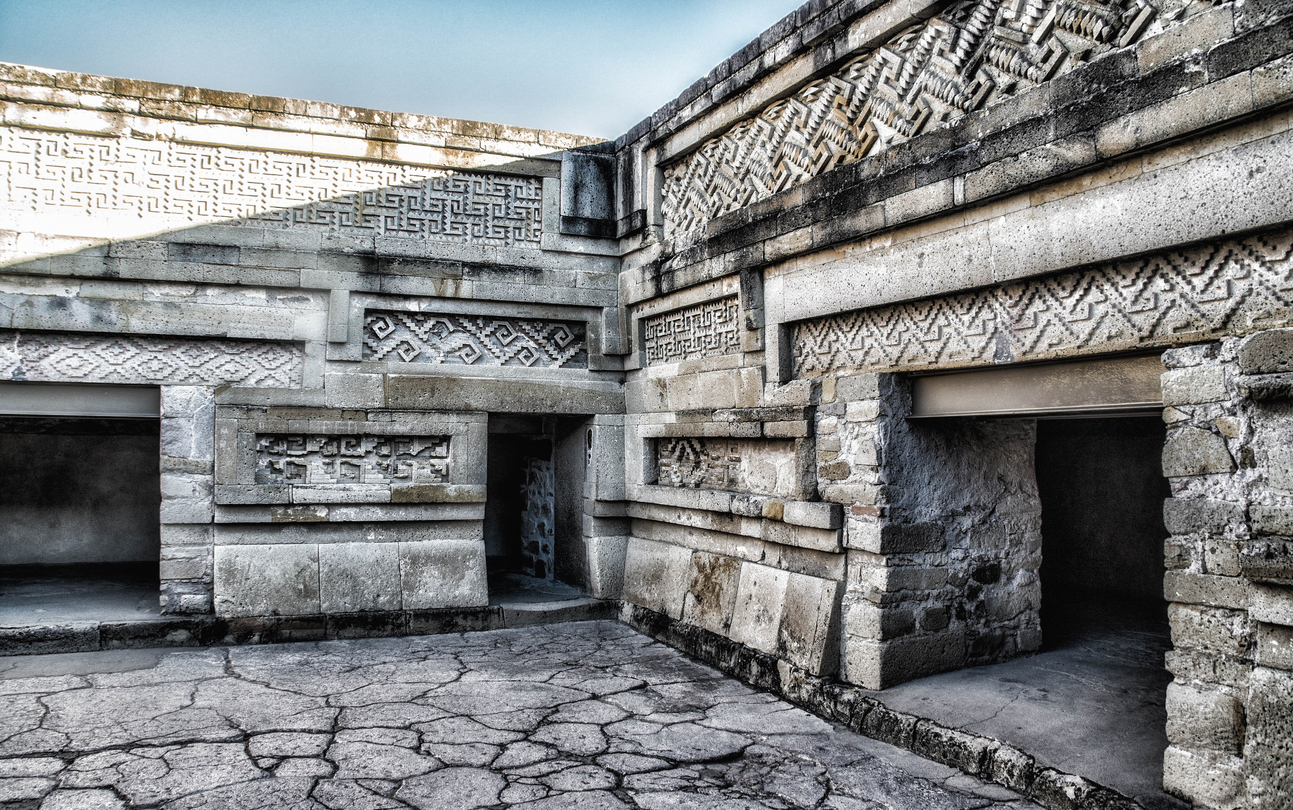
322, 460
176, 185
699, 464
1228, 287
972, 54
705, 330
441, 338
131, 359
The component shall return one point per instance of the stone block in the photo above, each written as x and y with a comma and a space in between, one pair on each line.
443, 574
358, 577
1216, 631
1275, 646
1203, 589
1204, 718
760, 600
880, 664
1269, 352
866, 619
1268, 752
1201, 515
808, 636
656, 575
857, 387
1272, 604
1279, 468
1269, 561
267, 580
354, 390
1211, 779
1192, 451
1192, 386
606, 566
814, 515
1271, 520
711, 595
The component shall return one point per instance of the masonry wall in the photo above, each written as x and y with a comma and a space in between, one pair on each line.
332, 300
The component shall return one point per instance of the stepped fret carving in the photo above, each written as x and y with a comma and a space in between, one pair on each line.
706, 330
64, 357
321, 460
970, 55
699, 464
183, 184
486, 340
1237, 285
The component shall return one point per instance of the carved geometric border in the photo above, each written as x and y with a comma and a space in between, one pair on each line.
1235, 285
132, 359
710, 329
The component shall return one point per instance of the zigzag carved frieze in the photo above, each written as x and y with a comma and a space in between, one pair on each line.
444, 338
1232, 286
972, 54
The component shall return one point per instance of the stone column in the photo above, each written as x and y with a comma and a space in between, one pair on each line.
187, 482
606, 525
943, 534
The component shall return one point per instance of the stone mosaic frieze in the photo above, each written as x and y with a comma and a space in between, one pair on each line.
699, 464
481, 340
128, 359
324, 460
974, 53
710, 329
52, 173
1235, 285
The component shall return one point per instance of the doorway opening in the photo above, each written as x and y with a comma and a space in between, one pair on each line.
79, 522
534, 547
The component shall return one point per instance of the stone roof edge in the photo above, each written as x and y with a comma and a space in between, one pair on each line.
799, 33
59, 88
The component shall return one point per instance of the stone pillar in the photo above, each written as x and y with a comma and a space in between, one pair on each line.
943, 534
606, 525
1230, 578
187, 483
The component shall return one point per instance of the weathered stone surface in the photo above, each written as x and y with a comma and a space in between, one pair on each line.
357, 577
656, 575
1269, 352
280, 580
760, 603
1191, 451
1212, 780
879, 664
443, 573
1204, 719
1268, 752
1189, 386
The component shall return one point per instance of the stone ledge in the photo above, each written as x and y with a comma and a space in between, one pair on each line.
982, 757
808, 514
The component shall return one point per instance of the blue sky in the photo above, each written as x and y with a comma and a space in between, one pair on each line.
593, 68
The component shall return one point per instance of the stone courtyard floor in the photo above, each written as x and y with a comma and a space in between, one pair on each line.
585, 715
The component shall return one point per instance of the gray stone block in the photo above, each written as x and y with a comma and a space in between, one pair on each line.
1275, 646
443, 574
865, 619
1201, 515
1269, 352
1203, 589
357, 577
1268, 561
606, 565
1208, 778
760, 600
711, 595
814, 515
269, 580
1192, 451
1268, 751
1272, 604
1271, 520
1190, 386
809, 634
880, 664
1204, 718
656, 576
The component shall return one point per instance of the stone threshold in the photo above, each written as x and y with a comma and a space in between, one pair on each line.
980, 756
203, 631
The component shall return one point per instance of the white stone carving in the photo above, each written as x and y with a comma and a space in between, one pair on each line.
706, 330
175, 185
486, 340
131, 359
973, 53
1236, 285
321, 460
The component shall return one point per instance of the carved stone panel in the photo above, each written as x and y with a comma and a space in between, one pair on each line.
130, 359
484, 340
699, 464
322, 460
1232, 286
710, 329
172, 183
971, 54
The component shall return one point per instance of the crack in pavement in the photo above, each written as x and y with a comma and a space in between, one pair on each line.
588, 715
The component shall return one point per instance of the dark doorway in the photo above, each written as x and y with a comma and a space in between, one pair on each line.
534, 507
1102, 488
79, 524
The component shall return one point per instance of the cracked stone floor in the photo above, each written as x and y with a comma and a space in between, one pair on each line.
587, 715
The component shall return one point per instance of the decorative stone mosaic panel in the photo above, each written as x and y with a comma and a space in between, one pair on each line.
320, 460
67, 357
699, 464
973, 53
485, 340
707, 330
60, 172
1232, 286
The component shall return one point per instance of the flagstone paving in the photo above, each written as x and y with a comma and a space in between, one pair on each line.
589, 715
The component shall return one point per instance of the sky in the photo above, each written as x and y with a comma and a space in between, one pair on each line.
591, 67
